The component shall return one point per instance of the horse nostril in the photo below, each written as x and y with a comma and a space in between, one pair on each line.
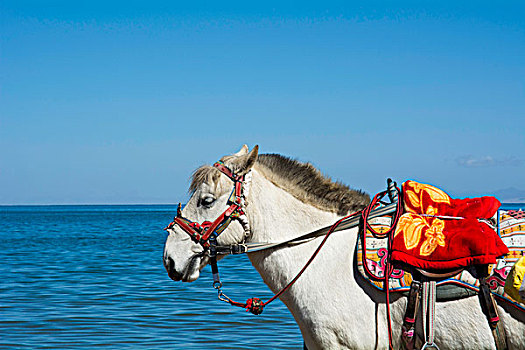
169, 264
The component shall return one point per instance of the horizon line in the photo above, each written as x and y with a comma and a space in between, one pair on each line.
137, 204
85, 204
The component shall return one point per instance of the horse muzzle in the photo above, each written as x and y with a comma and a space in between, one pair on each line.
169, 265
187, 274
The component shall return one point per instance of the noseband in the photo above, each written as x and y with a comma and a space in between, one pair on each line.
208, 231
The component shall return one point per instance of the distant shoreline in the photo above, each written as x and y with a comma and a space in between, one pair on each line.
506, 205
86, 205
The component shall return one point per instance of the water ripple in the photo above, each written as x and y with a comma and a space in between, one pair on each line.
79, 277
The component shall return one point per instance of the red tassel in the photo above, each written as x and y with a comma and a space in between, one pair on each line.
255, 306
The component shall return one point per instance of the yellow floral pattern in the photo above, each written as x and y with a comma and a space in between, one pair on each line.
434, 236
414, 226
411, 225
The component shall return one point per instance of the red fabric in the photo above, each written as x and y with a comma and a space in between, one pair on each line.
431, 242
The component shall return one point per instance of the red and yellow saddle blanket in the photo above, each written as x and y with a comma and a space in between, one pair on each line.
437, 233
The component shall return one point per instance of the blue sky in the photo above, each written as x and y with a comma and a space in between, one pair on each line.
119, 101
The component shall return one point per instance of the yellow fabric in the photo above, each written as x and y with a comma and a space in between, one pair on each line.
515, 280
416, 227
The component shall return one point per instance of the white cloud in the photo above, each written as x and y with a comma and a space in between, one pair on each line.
470, 161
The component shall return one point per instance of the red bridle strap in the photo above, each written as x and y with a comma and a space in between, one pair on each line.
201, 233
223, 217
226, 171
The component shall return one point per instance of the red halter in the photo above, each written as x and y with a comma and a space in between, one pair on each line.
201, 233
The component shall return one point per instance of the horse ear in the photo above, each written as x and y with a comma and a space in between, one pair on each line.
242, 164
244, 150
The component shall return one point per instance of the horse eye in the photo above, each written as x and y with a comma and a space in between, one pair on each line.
207, 201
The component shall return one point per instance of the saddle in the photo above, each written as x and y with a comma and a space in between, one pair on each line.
451, 243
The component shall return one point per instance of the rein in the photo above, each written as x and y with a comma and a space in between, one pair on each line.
207, 232
348, 222
256, 305
393, 193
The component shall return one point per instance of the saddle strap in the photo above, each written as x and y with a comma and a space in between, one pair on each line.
488, 305
408, 330
429, 314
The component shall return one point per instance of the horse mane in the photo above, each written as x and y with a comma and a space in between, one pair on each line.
309, 185
301, 180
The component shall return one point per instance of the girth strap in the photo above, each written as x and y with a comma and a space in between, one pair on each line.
429, 314
488, 305
408, 331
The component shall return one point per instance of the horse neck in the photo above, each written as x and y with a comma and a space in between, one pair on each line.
322, 297
276, 216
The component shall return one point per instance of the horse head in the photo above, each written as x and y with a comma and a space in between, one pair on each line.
211, 203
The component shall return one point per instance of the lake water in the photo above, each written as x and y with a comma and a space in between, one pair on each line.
80, 277
76, 277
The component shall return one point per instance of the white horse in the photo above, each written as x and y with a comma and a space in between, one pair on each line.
333, 306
